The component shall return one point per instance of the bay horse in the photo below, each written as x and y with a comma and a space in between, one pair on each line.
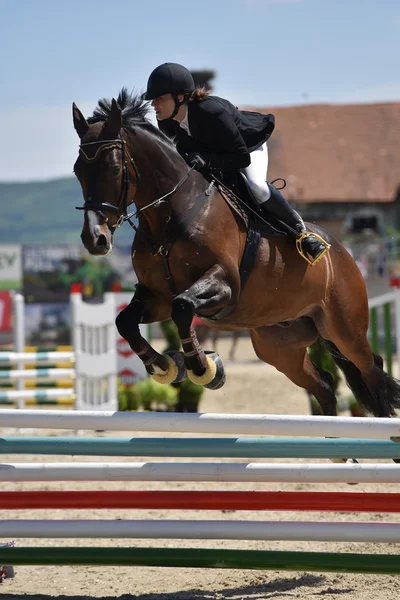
187, 251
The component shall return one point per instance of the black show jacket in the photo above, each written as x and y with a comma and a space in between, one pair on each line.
222, 134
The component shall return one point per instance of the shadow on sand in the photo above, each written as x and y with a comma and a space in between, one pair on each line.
277, 588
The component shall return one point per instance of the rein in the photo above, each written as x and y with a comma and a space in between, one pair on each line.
124, 215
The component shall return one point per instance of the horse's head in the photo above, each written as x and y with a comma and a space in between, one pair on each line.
118, 143
107, 174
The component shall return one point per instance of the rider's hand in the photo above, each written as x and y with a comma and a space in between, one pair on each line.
196, 161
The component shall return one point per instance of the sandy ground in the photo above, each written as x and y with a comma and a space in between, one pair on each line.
251, 387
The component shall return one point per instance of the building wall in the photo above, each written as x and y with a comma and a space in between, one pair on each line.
339, 218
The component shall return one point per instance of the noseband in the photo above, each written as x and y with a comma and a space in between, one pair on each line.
98, 207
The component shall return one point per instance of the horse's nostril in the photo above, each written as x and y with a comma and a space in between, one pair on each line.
101, 240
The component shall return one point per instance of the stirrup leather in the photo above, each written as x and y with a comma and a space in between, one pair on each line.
299, 241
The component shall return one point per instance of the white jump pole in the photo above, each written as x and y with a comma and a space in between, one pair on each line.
212, 423
202, 529
217, 472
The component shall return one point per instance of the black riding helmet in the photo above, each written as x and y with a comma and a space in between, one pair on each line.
169, 78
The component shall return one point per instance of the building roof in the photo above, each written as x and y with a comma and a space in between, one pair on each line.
336, 153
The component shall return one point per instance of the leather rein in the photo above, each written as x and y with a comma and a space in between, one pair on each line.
123, 205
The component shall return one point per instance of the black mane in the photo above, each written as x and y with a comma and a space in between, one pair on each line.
134, 111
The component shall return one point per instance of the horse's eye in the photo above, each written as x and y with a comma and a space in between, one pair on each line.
115, 170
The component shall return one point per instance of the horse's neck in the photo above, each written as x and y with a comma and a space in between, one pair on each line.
161, 168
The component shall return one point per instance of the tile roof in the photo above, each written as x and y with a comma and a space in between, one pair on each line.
336, 153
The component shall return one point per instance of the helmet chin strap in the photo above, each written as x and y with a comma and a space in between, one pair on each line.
177, 106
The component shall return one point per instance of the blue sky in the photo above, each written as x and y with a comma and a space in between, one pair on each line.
265, 53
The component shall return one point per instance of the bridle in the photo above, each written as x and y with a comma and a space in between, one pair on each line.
122, 207
98, 207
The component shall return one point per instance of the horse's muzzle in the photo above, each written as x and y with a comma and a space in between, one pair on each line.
97, 240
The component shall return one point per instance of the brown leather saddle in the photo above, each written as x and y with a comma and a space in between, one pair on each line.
242, 202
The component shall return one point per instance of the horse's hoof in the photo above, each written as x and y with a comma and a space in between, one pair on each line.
179, 360
214, 376
176, 371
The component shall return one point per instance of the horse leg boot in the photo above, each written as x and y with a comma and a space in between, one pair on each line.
307, 243
163, 368
205, 297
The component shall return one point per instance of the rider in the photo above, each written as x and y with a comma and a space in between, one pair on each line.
213, 135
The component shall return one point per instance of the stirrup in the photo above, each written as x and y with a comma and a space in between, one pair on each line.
307, 234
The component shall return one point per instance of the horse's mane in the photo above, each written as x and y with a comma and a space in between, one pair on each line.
134, 111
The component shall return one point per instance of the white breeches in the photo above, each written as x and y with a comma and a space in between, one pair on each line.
256, 173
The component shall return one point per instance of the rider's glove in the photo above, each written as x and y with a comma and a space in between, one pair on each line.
196, 161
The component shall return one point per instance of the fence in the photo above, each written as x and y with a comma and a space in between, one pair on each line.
377, 443
383, 334
92, 363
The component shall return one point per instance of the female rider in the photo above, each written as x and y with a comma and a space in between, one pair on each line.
212, 134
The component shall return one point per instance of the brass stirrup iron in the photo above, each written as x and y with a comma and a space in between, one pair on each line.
300, 250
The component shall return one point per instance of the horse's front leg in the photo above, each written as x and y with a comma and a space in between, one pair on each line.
209, 294
146, 308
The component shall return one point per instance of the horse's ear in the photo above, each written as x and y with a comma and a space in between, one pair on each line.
114, 121
80, 123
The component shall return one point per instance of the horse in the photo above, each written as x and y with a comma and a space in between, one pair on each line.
187, 252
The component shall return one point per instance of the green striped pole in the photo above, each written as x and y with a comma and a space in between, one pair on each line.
38, 384
66, 401
39, 395
204, 558
201, 448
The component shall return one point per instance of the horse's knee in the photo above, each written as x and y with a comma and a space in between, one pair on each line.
182, 311
128, 319
122, 323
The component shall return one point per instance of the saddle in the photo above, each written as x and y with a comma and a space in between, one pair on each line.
241, 200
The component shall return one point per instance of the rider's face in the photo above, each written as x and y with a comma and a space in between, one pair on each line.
164, 106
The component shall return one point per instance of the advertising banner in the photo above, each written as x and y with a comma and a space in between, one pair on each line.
50, 271
48, 324
10, 267
5, 311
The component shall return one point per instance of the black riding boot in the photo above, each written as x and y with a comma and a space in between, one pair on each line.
306, 242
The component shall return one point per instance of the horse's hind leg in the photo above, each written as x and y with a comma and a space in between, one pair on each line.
346, 333
286, 350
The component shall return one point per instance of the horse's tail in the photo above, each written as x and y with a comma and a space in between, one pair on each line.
358, 386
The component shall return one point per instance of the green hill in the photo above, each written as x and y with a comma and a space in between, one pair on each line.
44, 212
